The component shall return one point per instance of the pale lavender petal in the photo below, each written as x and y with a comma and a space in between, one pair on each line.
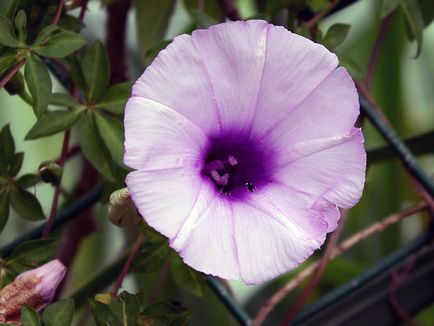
158, 137
235, 58
336, 174
294, 67
274, 235
177, 79
206, 240
165, 197
323, 119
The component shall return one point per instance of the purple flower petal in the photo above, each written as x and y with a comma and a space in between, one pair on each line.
244, 143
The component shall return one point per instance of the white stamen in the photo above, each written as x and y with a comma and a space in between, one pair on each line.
221, 180
232, 160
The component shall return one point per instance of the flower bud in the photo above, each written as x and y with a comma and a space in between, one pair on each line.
50, 172
122, 212
34, 288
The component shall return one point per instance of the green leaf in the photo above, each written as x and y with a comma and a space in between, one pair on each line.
27, 180
167, 313
21, 25
4, 208
115, 98
26, 205
413, 16
6, 62
59, 313
151, 257
71, 23
102, 314
33, 252
39, 83
45, 34
186, 277
153, 17
77, 73
96, 71
53, 122
29, 317
94, 149
427, 9
355, 70
60, 44
8, 7
15, 164
126, 308
335, 35
111, 130
385, 7
211, 8
202, 20
7, 35
7, 142
63, 99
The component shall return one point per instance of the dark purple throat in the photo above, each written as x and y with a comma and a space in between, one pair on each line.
237, 165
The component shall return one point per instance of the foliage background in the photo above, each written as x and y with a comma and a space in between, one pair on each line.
402, 85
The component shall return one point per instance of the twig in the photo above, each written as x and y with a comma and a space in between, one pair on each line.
229, 9
11, 73
375, 54
115, 42
344, 246
57, 191
160, 284
228, 300
322, 264
395, 280
83, 9
58, 12
134, 250
374, 113
314, 21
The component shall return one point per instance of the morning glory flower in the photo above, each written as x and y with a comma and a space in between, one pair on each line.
243, 143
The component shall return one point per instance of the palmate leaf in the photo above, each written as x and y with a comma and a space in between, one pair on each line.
39, 83
27, 180
21, 25
65, 100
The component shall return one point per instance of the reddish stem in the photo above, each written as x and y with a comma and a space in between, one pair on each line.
229, 9
57, 191
83, 9
11, 73
315, 20
58, 12
375, 55
115, 43
160, 284
127, 266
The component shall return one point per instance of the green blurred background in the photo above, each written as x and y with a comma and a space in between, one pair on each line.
404, 87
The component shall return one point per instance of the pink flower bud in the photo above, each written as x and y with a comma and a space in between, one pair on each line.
34, 288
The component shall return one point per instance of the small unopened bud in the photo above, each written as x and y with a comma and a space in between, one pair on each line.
34, 288
122, 211
50, 172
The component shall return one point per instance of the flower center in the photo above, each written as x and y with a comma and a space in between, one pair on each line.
236, 166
